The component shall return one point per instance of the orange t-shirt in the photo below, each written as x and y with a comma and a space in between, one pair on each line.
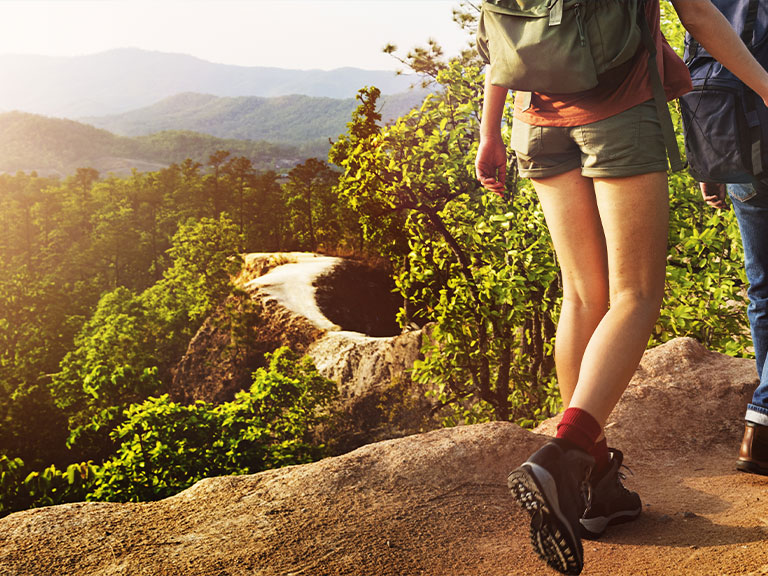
604, 101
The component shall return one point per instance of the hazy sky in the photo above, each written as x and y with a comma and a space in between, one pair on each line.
299, 34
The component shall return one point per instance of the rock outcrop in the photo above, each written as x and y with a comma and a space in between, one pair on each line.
437, 504
341, 313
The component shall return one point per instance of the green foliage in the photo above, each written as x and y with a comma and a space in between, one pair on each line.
20, 489
118, 352
204, 258
317, 217
103, 282
671, 26
706, 283
512, 298
106, 349
163, 447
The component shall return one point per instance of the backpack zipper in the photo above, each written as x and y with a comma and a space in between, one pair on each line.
580, 23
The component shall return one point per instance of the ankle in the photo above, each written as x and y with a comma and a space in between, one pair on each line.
579, 428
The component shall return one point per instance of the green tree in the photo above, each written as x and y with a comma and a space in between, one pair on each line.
314, 208
241, 176
112, 363
469, 266
268, 215
214, 185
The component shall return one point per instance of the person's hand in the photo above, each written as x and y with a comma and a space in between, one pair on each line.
491, 164
714, 194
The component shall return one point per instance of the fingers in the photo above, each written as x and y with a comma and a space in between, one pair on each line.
492, 182
714, 195
712, 189
716, 202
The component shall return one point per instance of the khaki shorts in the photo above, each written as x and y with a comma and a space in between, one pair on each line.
626, 144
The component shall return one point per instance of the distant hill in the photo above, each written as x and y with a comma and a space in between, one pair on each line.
53, 146
286, 119
120, 80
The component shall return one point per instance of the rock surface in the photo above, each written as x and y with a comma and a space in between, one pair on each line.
341, 313
436, 503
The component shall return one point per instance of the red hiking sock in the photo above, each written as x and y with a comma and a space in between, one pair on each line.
602, 458
579, 428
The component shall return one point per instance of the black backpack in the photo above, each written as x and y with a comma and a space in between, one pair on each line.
725, 122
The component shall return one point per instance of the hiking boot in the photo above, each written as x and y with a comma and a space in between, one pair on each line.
753, 455
553, 487
612, 503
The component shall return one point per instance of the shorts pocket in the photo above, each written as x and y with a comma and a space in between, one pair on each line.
525, 139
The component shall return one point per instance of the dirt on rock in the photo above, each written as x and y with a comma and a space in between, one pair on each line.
436, 504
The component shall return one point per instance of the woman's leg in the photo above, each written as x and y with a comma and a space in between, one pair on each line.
634, 212
573, 219
610, 236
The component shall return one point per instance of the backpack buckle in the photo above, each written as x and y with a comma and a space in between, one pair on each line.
556, 13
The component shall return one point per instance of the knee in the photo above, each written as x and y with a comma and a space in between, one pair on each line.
593, 303
646, 302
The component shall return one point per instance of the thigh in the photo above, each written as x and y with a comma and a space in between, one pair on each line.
570, 209
634, 212
750, 205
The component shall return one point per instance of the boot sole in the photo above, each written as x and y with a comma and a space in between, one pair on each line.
751, 467
552, 537
593, 528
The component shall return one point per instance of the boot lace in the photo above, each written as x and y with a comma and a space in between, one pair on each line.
585, 489
621, 476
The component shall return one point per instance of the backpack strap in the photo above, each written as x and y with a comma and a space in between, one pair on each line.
659, 96
747, 36
750, 98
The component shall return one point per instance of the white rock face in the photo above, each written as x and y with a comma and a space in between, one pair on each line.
360, 363
291, 285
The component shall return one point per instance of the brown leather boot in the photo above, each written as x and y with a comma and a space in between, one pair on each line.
753, 455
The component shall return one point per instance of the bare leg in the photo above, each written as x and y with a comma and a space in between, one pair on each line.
612, 242
573, 218
634, 212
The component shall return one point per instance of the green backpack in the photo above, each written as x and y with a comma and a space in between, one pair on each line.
569, 46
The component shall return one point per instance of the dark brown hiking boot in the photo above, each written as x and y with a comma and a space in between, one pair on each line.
553, 487
753, 455
611, 502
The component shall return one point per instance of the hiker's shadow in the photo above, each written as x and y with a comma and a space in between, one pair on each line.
682, 518
654, 528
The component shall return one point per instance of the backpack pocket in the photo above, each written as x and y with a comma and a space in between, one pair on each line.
613, 31
556, 46
716, 134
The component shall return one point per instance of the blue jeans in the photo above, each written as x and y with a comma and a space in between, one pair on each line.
750, 204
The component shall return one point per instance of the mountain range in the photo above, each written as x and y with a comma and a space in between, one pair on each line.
129, 108
294, 119
120, 80
58, 147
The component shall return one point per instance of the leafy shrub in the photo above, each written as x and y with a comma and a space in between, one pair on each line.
705, 295
164, 447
